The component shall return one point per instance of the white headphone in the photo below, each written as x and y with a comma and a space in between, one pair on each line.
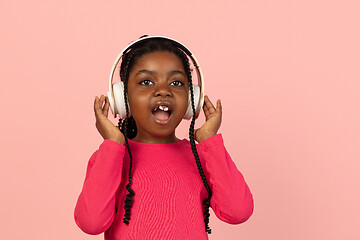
116, 90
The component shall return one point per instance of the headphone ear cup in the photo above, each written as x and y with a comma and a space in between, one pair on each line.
118, 89
189, 111
112, 105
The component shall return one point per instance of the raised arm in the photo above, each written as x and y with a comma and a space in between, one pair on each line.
232, 201
95, 207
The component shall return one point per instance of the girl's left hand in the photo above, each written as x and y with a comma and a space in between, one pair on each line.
213, 120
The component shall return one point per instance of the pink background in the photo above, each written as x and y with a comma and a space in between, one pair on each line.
287, 73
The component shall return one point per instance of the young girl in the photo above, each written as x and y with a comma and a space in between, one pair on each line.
145, 183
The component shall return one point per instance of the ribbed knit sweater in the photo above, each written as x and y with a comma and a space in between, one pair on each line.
168, 190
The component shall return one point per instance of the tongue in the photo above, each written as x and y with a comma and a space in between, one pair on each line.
161, 115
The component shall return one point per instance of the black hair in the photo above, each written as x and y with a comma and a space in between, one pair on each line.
128, 125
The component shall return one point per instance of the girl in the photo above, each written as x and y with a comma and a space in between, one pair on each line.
142, 182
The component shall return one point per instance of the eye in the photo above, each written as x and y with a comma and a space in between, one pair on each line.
176, 83
146, 82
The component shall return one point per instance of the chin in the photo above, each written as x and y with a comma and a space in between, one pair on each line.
161, 134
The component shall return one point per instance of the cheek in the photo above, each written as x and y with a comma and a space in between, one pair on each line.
183, 103
138, 105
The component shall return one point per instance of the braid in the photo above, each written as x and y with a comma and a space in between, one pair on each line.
128, 200
128, 125
206, 202
131, 129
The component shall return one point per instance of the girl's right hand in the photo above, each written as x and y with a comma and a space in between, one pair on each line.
105, 127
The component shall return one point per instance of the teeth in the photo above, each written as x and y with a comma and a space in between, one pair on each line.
164, 108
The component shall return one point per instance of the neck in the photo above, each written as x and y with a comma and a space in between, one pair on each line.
147, 138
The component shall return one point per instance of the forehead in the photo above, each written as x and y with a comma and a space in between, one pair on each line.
159, 60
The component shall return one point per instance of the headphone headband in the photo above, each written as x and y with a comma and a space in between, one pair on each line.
177, 44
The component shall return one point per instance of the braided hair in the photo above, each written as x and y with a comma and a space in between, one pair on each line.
128, 125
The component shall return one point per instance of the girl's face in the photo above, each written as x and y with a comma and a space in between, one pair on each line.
158, 96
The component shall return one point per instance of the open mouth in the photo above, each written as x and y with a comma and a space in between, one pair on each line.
161, 114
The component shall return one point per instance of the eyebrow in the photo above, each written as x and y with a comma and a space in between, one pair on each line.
173, 72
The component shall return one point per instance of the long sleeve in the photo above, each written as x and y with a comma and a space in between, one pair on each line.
95, 208
232, 201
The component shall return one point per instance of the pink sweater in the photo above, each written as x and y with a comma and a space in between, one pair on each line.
168, 190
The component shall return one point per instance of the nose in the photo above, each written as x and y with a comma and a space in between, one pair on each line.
162, 90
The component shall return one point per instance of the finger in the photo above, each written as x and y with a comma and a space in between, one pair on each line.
103, 104
106, 107
209, 105
218, 106
97, 109
101, 101
206, 110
